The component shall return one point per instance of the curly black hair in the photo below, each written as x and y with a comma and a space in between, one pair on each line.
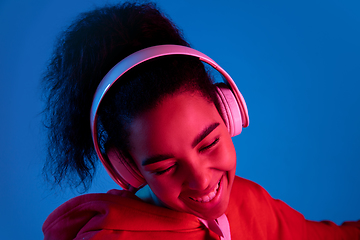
83, 54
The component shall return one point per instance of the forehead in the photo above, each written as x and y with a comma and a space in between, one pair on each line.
177, 118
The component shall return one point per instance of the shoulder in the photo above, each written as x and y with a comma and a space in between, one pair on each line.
115, 210
252, 210
245, 189
253, 196
90, 202
66, 221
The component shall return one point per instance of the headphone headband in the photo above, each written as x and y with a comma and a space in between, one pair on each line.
137, 58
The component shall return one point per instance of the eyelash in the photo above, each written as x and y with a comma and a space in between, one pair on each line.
164, 171
210, 145
201, 150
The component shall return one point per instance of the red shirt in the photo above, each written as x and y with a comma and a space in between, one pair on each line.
252, 214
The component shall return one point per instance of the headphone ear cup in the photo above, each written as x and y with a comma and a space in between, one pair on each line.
123, 171
229, 109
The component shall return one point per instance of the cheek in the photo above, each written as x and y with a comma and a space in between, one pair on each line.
165, 189
168, 195
226, 159
232, 158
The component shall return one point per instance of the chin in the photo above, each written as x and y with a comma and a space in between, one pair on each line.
212, 214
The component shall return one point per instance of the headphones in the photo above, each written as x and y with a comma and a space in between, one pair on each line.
233, 109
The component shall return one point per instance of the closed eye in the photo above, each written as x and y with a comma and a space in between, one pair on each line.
164, 171
210, 145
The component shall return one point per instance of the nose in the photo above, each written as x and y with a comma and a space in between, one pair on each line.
198, 177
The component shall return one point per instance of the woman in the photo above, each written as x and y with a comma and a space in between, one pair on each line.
163, 122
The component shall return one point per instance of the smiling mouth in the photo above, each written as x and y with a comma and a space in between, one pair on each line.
209, 197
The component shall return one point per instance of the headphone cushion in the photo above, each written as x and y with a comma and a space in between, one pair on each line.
125, 171
229, 109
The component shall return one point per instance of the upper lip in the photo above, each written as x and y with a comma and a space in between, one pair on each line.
197, 194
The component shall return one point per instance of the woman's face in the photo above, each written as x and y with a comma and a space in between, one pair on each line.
185, 153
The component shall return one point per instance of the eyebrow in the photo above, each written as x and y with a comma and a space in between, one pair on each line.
155, 159
204, 133
197, 140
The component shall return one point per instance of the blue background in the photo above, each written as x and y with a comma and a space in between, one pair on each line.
297, 64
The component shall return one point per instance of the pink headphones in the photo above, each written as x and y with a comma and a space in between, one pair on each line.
232, 108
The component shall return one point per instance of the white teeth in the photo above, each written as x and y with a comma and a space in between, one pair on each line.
212, 195
208, 197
